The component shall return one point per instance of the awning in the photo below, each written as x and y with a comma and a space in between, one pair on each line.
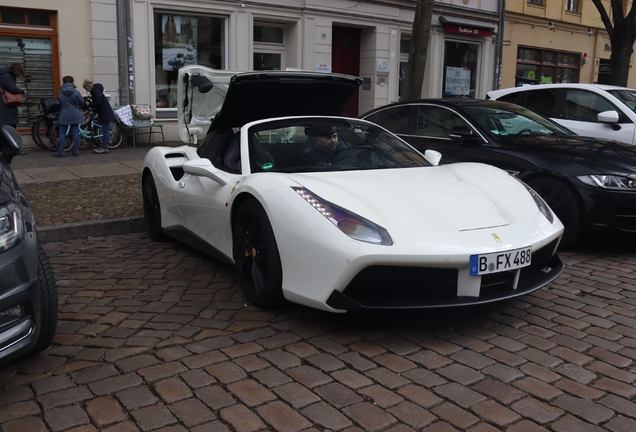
467, 22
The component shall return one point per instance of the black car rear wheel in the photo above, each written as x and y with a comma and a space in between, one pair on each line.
256, 255
152, 209
565, 204
48, 303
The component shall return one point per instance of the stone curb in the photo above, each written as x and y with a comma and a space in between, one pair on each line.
79, 230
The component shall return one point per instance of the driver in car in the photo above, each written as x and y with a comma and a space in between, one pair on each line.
321, 146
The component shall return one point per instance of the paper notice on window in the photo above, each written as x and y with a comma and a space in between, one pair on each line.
457, 81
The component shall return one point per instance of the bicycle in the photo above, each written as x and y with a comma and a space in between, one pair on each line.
41, 127
90, 131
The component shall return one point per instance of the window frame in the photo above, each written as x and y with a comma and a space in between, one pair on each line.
168, 112
557, 69
270, 47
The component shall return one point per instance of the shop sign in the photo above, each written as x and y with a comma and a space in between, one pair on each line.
468, 31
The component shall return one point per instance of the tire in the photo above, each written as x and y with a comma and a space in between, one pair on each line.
256, 256
565, 205
48, 303
36, 129
41, 134
116, 136
152, 209
55, 138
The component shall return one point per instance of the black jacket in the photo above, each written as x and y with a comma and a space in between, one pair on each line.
8, 115
101, 104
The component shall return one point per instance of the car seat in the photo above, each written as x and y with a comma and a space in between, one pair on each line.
232, 158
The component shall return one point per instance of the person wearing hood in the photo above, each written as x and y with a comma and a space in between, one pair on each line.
8, 76
70, 115
103, 110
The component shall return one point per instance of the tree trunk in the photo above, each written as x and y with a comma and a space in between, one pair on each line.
418, 49
622, 51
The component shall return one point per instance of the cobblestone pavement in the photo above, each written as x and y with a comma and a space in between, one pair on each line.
85, 200
157, 337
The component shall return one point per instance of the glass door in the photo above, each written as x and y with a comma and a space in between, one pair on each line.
460, 69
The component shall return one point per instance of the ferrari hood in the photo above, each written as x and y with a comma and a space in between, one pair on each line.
456, 197
238, 98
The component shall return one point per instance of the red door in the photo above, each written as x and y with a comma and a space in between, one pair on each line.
345, 59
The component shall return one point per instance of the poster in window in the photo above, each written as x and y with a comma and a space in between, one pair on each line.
179, 46
457, 81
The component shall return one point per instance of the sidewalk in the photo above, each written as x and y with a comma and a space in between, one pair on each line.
89, 195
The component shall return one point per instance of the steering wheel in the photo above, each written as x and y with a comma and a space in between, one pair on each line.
525, 130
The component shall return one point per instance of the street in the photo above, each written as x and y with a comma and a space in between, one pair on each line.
157, 336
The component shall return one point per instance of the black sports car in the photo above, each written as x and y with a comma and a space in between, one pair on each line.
589, 183
28, 293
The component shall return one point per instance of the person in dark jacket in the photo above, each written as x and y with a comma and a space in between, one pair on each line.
70, 115
8, 75
103, 110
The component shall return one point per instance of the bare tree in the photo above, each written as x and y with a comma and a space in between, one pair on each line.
418, 49
621, 29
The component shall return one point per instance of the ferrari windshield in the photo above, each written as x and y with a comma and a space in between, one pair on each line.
312, 144
509, 121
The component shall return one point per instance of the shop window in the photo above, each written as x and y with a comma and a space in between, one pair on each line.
181, 40
29, 37
460, 69
269, 46
537, 66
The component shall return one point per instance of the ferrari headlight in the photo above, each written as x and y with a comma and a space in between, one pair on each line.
543, 207
11, 227
609, 182
356, 227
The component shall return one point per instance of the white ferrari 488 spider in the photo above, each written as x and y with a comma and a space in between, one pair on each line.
337, 213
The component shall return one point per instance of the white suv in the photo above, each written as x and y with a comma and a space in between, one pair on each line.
596, 110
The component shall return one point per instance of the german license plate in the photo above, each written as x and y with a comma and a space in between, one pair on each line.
499, 261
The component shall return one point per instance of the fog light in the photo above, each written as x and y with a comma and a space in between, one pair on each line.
11, 314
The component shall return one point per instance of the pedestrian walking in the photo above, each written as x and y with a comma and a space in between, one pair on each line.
70, 115
103, 110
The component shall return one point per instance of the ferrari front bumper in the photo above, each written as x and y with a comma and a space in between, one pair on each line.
397, 287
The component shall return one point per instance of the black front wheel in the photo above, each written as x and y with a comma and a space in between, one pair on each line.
256, 255
565, 205
48, 303
152, 209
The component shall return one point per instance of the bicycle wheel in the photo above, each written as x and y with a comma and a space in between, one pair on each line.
55, 138
39, 133
115, 138
86, 130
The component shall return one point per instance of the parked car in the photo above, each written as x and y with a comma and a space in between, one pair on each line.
337, 213
28, 293
589, 183
597, 110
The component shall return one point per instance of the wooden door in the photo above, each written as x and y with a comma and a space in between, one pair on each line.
345, 59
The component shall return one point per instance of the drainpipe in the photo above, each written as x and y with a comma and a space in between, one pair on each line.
124, 45
121, 47
499, 48
129, 55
